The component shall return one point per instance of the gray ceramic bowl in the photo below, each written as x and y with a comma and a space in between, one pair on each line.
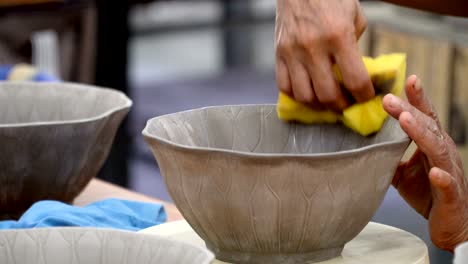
54, 139
259, 190
95, 246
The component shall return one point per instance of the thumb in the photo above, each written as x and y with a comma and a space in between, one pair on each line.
444, 186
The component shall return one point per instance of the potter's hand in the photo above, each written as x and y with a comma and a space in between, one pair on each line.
311, 35
432, 181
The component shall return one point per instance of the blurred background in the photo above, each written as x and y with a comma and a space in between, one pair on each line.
174, 55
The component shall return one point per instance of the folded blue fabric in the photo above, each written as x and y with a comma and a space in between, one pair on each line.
6, 70
111, 213
44, 77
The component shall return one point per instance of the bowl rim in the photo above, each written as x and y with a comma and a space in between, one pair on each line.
405, 141
207, 254
127, 103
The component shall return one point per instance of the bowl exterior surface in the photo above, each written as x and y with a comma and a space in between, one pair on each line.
94, 246
276, 209
53, 161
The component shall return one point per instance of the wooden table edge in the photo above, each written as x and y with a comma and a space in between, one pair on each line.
98, 190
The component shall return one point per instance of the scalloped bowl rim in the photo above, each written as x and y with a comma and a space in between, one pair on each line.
126, 105
209, 256
344, 153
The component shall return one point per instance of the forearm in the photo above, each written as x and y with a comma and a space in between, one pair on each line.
445, 7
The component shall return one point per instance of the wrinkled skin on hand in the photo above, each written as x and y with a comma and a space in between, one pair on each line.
433, 180
312, 35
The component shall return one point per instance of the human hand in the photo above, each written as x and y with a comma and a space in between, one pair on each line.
311, 36
433, 180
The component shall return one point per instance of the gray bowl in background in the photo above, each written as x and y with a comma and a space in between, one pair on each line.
54, 139
260, 190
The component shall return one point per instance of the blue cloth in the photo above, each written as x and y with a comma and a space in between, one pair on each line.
43, 77
4, 71
111, 213
38, 77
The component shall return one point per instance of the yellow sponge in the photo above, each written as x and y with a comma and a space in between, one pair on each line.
387, 73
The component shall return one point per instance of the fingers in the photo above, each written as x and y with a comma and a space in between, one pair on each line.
301, 83
326, 86
282, 77
396, 106
418, 99
400, 172
415, 168
354, 72
307, 42
445, 186
349, 60
428, 138
420, 122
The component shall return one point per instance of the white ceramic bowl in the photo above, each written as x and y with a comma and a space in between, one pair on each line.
461, 254
95, 246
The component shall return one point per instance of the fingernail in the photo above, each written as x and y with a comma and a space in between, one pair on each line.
417, 85
437, 176
392, 100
